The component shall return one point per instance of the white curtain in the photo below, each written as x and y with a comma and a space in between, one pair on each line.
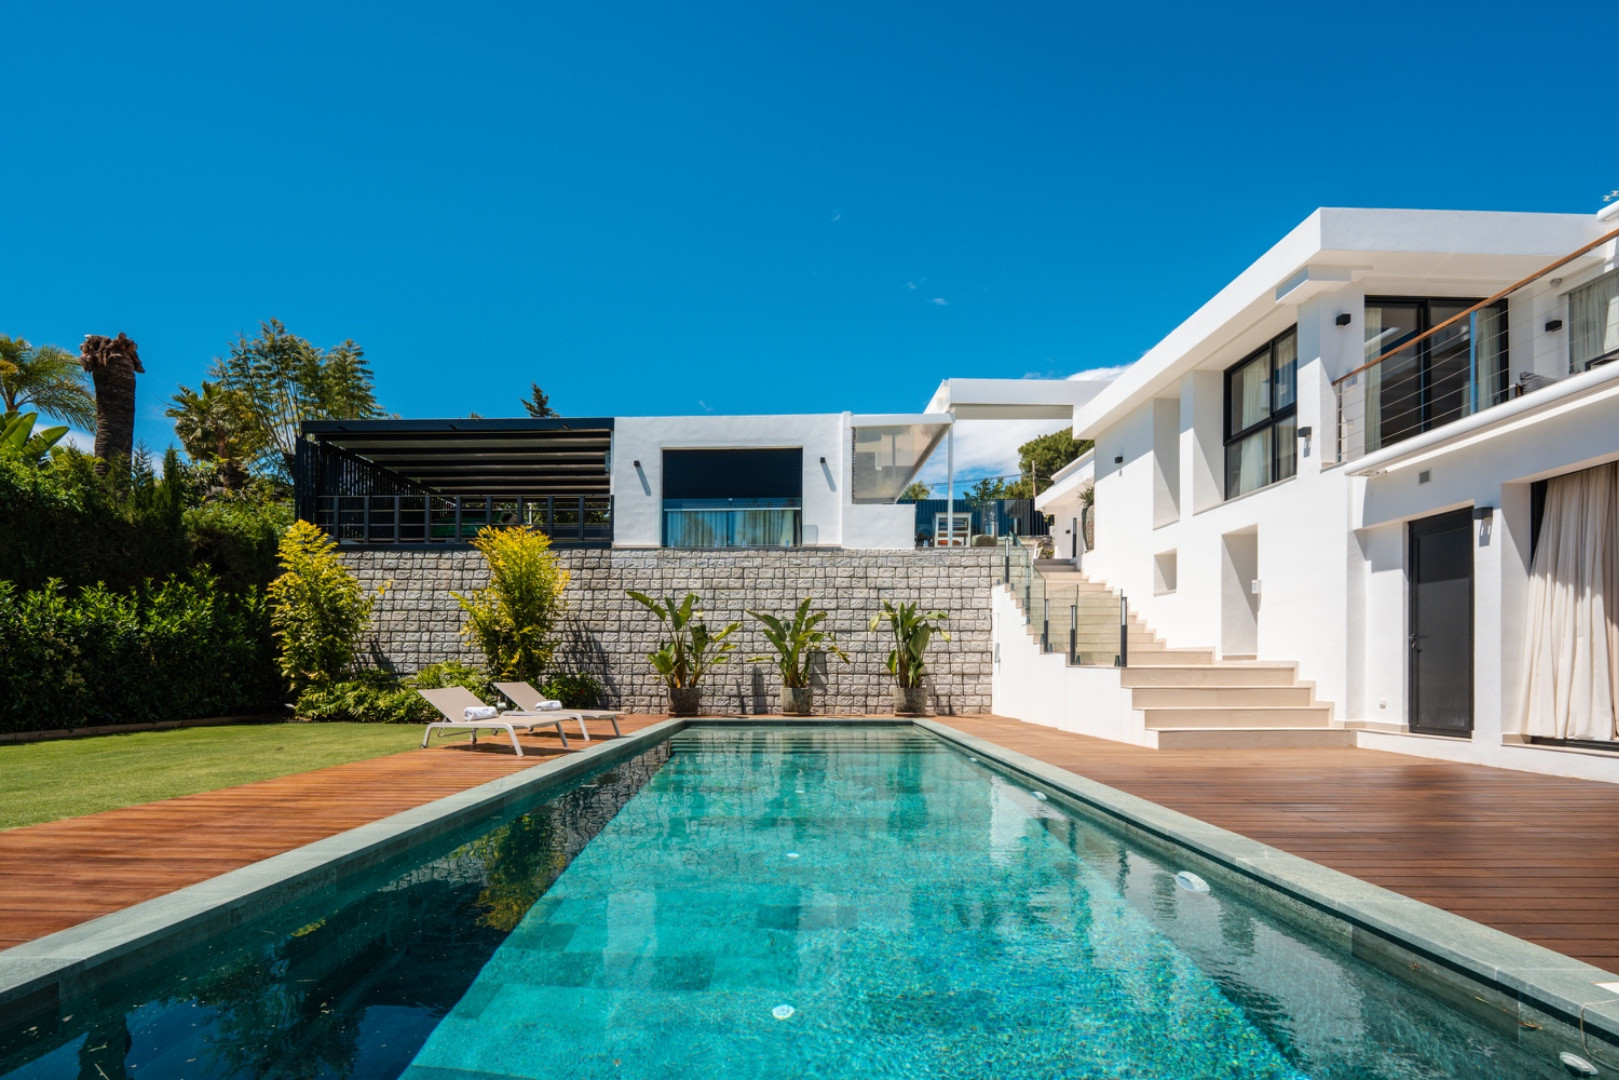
1593, 315
1571, 681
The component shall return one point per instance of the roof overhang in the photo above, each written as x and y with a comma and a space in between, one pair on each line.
1395, 252
1013, 399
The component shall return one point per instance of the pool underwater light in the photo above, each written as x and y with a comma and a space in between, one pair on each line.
1576, 1064
782, 1012
1191, 882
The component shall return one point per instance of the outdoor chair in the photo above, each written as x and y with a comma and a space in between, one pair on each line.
527, 698
457, 702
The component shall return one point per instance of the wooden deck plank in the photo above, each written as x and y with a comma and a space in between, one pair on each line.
92, 865
1535, 856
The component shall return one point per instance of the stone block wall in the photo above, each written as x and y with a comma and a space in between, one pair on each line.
418, 621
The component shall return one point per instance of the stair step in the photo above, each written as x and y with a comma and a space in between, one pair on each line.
1251, 738
1221, 697
1253, 716
1170, 657
1221, 674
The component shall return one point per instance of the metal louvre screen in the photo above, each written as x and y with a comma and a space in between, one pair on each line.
733, 474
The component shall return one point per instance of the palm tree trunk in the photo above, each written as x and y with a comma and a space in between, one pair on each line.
112, 364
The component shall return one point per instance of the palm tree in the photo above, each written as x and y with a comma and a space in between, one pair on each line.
45, 379
113, 364
216, 425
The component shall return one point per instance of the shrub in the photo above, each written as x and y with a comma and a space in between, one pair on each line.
377, 697
372, 697
179, 649
512, 619
317, 609
578, 691
237, 540
450, 673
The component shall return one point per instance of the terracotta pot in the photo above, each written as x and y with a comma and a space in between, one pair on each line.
685, 700
797, 701
910, 701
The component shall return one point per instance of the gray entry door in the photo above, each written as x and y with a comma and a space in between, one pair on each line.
1441, 641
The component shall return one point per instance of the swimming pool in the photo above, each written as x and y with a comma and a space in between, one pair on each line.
796, 902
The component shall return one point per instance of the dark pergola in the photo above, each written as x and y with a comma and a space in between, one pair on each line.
556, 456
372, 480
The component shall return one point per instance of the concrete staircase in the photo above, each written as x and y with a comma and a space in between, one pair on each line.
1186, 699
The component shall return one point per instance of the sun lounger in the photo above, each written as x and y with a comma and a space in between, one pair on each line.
526, 697
454, 701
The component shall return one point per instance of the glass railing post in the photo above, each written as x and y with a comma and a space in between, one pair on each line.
1124, 630
1073, 630
1472, 363
1045, 625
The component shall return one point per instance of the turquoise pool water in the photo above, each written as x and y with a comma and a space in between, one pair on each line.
787, 903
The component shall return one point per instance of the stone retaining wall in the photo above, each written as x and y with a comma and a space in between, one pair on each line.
607, 634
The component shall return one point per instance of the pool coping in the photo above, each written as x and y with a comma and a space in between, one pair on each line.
1530, 974
37, 974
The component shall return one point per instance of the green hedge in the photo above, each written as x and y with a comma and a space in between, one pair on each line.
62, 522
175, 650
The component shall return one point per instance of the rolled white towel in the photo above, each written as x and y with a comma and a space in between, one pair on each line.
546, 705
480, 712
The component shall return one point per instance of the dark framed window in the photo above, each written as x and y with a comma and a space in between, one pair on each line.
733, 498
1261, 416
1436, 380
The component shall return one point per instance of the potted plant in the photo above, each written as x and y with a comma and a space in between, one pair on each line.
912, 630
796, 643
688, 650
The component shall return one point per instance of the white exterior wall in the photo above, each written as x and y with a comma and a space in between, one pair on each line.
1332, 545
830, 519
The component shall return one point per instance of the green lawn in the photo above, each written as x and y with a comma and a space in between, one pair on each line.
62, 778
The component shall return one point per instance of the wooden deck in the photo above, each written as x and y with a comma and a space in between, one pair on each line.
61, 873
1535, 856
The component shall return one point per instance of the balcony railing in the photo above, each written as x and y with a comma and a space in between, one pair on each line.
456, 519
1458, 367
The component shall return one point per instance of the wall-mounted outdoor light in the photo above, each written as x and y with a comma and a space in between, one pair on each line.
1553, 325
637, 463
823, 461
1118, 459
1342, 319
1483, 513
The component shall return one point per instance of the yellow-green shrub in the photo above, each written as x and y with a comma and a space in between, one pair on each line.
512, 619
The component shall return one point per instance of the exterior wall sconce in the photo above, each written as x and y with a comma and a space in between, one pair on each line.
1118, 459
823, 461
1483, 513
1342, 319
1554, 325
637, 463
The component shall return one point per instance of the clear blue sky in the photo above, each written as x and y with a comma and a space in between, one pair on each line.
673, 207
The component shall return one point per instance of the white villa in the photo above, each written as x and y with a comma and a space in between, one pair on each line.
1367, 494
